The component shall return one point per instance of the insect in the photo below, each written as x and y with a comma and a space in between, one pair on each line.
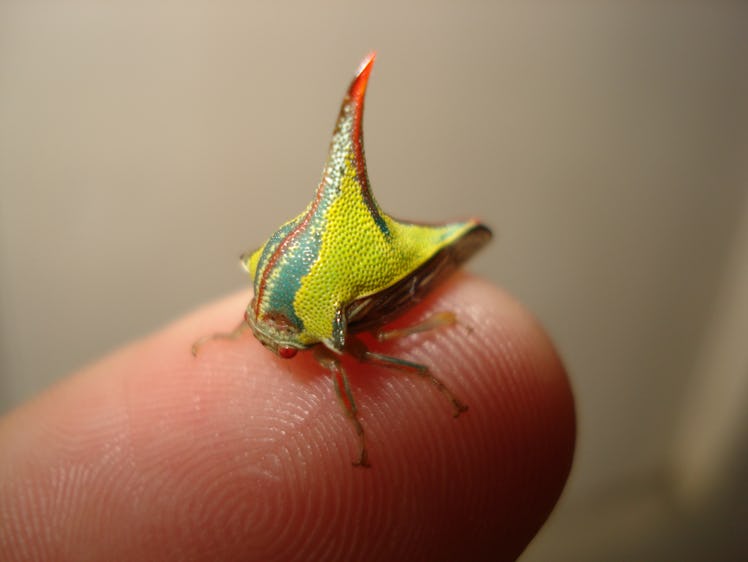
343, 267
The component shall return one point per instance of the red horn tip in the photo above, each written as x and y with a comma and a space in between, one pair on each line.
358, 86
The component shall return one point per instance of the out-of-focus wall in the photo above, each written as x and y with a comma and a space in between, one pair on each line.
144, 145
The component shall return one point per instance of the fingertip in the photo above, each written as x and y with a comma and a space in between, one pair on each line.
226, 451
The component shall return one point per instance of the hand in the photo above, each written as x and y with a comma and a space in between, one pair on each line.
153, 454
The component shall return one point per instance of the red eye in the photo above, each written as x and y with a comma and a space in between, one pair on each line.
287, 352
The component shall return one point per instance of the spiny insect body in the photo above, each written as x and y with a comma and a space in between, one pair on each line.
344, 267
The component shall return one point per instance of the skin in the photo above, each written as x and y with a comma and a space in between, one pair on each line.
152, 454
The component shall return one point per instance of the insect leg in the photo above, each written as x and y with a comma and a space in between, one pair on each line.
418, 369
343, 390
433, 322
232, 335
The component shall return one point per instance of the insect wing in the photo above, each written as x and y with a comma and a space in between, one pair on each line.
376, 310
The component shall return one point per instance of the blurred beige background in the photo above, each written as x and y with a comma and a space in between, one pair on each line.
145, 145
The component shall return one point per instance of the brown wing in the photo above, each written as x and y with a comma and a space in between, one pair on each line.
374, 311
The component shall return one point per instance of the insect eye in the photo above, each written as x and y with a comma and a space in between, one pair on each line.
287, 352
